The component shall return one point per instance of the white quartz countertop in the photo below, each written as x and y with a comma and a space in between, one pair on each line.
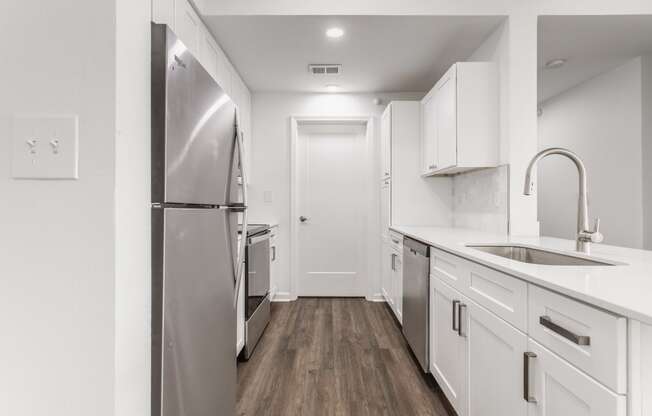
624, 289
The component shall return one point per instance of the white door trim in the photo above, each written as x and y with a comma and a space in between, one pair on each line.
295, 121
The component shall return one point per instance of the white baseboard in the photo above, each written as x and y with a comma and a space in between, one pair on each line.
281, 297
376, 297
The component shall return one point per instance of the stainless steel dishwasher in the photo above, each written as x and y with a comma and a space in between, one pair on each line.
416, 264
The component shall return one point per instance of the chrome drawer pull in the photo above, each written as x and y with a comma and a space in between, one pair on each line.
456, 324
526, 377
577, 339
460, 331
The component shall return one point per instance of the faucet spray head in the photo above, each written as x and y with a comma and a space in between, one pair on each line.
529, 186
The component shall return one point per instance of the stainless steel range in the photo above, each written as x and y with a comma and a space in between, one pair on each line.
257, 285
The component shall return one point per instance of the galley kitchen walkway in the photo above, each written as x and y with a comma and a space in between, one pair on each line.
344, 357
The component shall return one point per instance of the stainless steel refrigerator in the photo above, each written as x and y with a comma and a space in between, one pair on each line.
197, 263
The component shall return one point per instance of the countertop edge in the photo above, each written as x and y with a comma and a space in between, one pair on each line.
582, 297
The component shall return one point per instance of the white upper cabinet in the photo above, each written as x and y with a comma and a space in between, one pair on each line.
188, 26
163, 12
386, 143
208, 53
459, 120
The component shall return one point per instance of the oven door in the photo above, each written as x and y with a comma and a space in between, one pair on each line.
257, 265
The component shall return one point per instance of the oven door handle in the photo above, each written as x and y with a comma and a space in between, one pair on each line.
258, 238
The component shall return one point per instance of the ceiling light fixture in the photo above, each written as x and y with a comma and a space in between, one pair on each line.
555, 63
332, 88
335, 32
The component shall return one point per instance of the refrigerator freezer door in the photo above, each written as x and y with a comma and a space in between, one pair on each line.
193, 295
193, 127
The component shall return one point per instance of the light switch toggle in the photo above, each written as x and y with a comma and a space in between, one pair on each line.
55, 146
31, 143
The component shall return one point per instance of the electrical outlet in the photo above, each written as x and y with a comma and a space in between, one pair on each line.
45, 147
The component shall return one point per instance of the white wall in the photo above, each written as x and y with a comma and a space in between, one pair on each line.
481, 200
600, 120
646, 80
57, 263
132, 209
74, 262
271, 155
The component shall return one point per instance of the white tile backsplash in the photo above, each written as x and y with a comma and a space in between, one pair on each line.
481, 200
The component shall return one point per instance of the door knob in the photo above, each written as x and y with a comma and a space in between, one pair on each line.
303, 219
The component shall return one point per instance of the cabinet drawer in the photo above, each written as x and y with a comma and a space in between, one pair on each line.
591, 339
396, 240
450, 269
503, 295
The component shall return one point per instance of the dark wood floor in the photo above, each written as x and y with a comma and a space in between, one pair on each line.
334, 357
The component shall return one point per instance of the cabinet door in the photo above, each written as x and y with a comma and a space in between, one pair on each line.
385, 208
397, 284
187, 25
386, 272
446, 120
386, 143
495, 364
560, 389
163, 12
429, 133
447, 347
208, 55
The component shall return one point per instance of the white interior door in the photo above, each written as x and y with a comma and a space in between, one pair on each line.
330, 206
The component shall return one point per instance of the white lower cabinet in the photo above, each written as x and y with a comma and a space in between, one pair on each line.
557, 388
495, 364
397, 284
386, 271
392, 278
476, 357
487, 367
447, 347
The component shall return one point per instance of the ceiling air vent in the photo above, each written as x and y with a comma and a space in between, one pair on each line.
325, 69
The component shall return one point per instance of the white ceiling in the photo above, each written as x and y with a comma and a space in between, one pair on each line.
377, 53
591, 44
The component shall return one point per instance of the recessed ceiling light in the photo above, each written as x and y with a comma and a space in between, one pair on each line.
555, 63
332, 88
335, 32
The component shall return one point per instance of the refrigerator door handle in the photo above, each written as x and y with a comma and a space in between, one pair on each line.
243, 236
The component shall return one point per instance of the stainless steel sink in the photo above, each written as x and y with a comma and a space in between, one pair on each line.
537, 256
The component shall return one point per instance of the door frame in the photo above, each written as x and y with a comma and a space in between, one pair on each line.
371, 290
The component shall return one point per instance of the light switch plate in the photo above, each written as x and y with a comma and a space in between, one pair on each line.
45, 147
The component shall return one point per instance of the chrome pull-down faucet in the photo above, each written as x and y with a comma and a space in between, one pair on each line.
585, 236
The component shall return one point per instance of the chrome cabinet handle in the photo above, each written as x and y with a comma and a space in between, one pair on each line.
273, 253
461, 308
456, 311
432, 167
526, 377
569, 335
303, 219
393, 262
395, 241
